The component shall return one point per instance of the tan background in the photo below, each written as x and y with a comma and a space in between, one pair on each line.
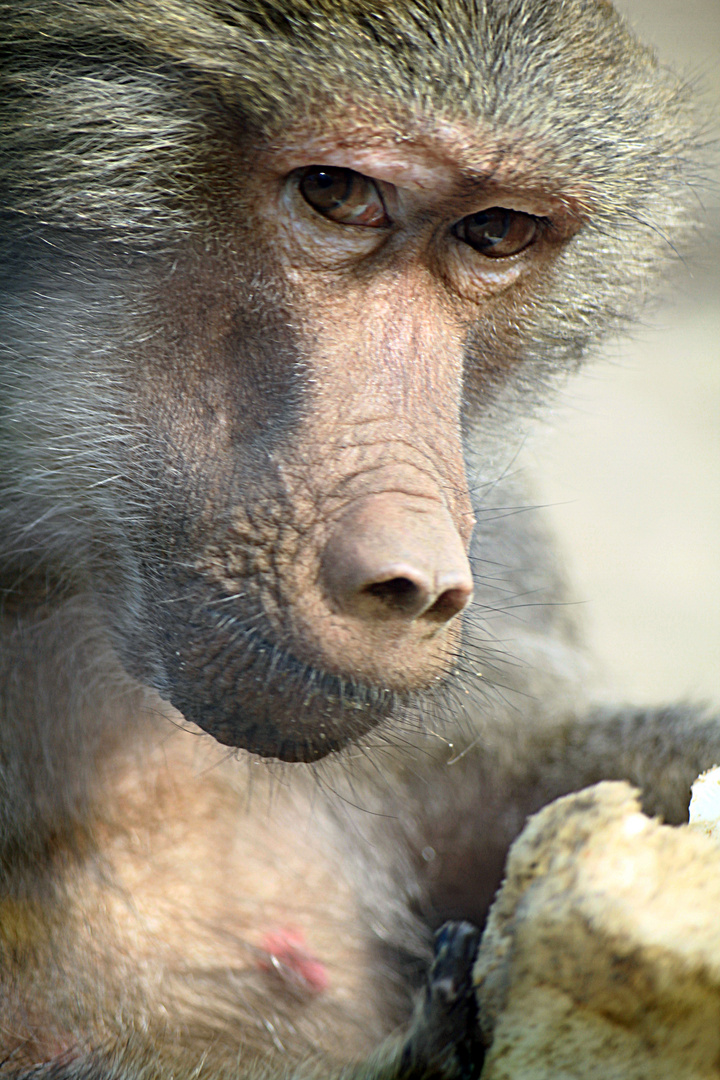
633, 468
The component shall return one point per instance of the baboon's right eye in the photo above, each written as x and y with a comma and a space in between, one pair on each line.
343, 196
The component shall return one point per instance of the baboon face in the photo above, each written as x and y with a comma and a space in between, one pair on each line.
298, 271
303, 391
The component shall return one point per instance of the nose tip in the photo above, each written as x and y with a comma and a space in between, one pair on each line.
389, 560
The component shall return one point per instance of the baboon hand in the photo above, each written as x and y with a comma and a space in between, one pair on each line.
444, 1043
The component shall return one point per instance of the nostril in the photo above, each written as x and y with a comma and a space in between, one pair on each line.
414, 597
449, 604
398, 593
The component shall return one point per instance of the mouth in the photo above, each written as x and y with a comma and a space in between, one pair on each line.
233, 681
223, 667
279, 707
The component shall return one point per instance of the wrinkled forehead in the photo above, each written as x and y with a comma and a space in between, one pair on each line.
553, 98
472, 59
478, 83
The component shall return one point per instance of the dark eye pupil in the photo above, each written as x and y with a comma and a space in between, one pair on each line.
323, 179
326, 189
487, 228
492, 226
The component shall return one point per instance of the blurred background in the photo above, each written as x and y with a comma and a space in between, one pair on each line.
632, 468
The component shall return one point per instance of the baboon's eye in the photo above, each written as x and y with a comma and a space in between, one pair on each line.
344, 196
497, 232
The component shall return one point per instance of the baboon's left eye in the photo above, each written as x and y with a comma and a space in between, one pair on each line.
497, 232
344, 196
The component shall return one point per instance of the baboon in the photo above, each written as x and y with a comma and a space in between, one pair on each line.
287, 656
